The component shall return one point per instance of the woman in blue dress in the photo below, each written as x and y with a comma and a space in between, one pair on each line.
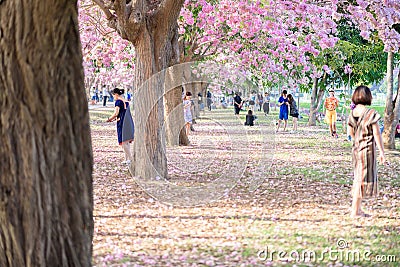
125, 126
283, 103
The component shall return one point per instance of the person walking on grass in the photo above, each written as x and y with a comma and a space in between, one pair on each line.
283, 103
237, 103
106, 94
364, 130
331, 103
294, 112
125, 126
252, 101
209, 100
266, 103
260, 101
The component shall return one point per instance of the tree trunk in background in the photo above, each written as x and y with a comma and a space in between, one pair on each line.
203, 90
174, 121
149, 146
316, 101
391, 116
197, 89
186, 81
313, 111
190, 86
46, 202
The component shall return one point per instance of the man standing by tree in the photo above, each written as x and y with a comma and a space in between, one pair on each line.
331, 104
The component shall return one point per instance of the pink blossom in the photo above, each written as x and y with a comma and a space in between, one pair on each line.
326, 68
347, 69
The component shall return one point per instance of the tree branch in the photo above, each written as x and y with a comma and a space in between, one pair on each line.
111, 18
103, 7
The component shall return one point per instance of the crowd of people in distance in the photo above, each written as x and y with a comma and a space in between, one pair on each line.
105, 95
257, 101
363, 129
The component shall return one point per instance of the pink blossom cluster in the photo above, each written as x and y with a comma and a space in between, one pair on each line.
272, 40
348, 69
380, 16
107, 58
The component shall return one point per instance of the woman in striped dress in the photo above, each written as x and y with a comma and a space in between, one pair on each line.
364, 130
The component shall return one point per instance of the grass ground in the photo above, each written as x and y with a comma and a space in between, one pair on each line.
298, 216
379, 108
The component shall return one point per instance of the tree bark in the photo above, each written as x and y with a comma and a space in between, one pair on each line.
391, 116
316, 101
174, 122
46, 202
196, 90
149, 146
203, 89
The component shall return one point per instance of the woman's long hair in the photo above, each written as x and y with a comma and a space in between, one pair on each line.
290, 98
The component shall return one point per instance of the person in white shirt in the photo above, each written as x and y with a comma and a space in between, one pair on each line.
106, 95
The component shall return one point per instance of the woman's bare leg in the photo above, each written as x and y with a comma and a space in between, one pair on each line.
187, 128
127, 149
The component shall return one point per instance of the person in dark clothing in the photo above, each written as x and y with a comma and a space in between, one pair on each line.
397, 133
294, 112
250, 118
209, 100
260, 101
266, 103
125, 125
237, 103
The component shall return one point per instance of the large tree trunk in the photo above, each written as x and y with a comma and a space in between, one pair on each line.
149, 146
46, 200
152, 37
392, 107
